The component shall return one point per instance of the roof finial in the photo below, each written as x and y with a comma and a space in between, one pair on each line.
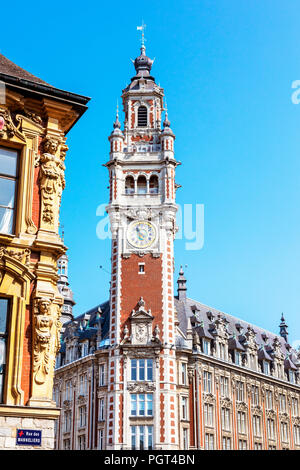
62, 233
166, 122
117, 124
142, 28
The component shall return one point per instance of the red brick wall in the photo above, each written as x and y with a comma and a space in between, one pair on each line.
148, 286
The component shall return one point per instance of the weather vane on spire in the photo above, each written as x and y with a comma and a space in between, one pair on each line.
142, 28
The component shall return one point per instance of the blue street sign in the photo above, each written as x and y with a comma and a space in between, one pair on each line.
29, 437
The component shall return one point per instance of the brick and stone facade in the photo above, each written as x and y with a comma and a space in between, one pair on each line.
151, 370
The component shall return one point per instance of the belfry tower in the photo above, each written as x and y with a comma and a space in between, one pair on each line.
142, 368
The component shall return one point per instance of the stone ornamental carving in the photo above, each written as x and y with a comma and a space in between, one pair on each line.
7, 127
81, 399
52, 182
144, 213
209, 398
242, 406
23, 256
141, 327
270, 414
141, 387
44, 324
67, 404
256, 410
225, 402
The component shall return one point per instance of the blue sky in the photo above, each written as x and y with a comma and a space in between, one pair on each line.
227, 67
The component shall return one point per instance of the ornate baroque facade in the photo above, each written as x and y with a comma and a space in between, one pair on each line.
34, 120
151, 370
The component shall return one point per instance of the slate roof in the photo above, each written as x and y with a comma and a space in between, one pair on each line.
10, 68
202, 317
236, 327
87, 323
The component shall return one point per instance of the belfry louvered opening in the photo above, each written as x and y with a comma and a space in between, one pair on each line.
142, 116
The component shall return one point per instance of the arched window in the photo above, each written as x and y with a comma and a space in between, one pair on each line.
142, 116
129, 185
142, 185
153, 184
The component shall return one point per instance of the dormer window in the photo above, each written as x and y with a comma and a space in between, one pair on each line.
266, 367
291, 376
237, 357
206, 346
142, 116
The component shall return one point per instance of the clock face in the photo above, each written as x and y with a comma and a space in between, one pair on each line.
141, 234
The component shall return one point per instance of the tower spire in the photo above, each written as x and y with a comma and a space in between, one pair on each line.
283, 328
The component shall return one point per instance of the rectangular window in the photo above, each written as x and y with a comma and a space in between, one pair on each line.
81, 442
284, 432
296, 430
8, 186
101, 375
271, 428
239, 390
101, 409
269, 400
241, 422
237, 358
67, 421
242, 444
291, 376
141, 369
67, 444
266, 367
207, 380
208, 415
256, 426
142, 404
183, 374
4, 310
141, 268
185, 439
141, 437
282, 402
184, 404
224, 386
254, 395
222, 351
206, 346
68, 390
294, 406
101, 439
82, 416
225, 412
226, 443
209, 441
